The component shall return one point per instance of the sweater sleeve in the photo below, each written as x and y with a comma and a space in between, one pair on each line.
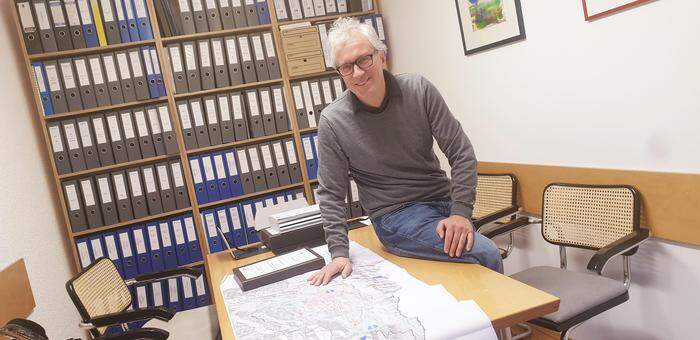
333, 188
455, 144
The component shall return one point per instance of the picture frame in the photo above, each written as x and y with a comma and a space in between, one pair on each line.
595, 9
486, 24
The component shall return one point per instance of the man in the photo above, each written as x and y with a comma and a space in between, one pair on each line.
381, 132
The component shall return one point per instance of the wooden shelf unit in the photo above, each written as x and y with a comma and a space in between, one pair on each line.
160, 43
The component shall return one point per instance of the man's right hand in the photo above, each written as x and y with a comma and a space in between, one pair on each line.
340, 265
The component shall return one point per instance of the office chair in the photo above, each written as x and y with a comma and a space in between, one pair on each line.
495, 208
102, 297
603, 218
23, 329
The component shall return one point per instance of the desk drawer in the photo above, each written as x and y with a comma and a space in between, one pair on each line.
312, 63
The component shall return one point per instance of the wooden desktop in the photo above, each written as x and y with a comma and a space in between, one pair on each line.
505, 300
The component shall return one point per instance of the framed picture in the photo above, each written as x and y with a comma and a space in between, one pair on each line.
594, 9
487, 24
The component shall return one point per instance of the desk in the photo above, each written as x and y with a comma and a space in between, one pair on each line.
504, 300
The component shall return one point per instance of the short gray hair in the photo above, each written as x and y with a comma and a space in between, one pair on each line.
344, 28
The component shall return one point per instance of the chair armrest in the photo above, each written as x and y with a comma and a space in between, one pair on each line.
159, 313
494, 216
168, 274
624, 244
136, 334
508, 227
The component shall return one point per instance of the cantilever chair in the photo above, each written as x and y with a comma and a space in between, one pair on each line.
602, 218
495, 208
102, 298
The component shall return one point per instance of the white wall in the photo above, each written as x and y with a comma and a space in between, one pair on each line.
586, 92
30, 227
620, 92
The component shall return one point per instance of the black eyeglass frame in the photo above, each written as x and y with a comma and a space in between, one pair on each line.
358, 63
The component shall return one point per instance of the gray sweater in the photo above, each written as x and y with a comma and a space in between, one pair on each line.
389, 153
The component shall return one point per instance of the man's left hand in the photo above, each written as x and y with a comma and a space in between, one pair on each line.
457, 231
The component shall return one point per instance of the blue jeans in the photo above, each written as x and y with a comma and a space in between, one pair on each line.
410, 232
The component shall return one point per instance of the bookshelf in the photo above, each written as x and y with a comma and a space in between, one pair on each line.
160, 42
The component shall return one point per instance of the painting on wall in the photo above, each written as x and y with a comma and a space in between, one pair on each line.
487, 24
594, 9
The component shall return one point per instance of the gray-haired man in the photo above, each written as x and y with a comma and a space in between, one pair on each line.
381, 131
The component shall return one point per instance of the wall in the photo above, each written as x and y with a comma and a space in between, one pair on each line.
31, 220
620, 92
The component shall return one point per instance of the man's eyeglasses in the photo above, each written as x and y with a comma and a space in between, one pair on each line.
364, 62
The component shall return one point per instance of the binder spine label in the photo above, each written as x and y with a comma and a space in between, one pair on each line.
191, 64
113, 128
126, 245
165, 118
219, 164
254, 161
52, 75
72, 195
211, 111
128, 127
140, 9
149, 180
25, 17
197, 114
231, 164
107, 10
86, 185
141, 126
96, 71
237, 108
218, 53
163, 177
120, 186
184, 5
267, 156
136, 63
184, 116
71, 137
204, 58
253, 103
279, 155
153, 119
135, 184
308, 149
105, 196
99, 131
55, 134
242, 161
196, 174
223, 109
67, 72
81, 69
57, 13
177, 175
269, 45
72, 13
291, 154
208, 169
231, 51
165, 235
84, 129
189, 228
265, 99
85, 12
235, 218
124, 72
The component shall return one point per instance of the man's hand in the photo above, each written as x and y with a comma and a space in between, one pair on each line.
457, 231
340, 265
